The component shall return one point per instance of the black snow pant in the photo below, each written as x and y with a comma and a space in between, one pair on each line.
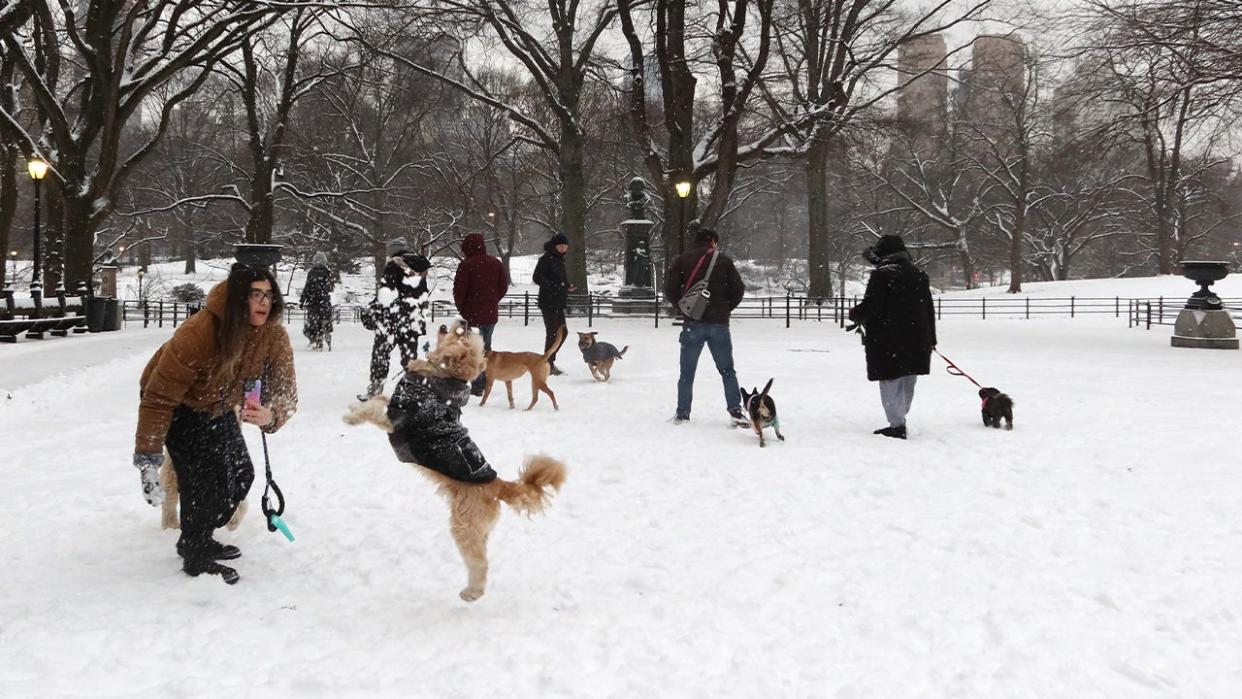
553, 320
381, 352
214, 474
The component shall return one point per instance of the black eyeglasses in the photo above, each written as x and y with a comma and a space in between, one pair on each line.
261, 295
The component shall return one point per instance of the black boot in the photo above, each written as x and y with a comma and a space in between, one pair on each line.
197, 565
213, 550
373, 390
898, 432
554, 370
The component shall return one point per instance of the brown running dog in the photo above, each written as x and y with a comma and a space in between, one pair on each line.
509, 366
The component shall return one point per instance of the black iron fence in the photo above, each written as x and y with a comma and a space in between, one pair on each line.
1144, 313
1139, 312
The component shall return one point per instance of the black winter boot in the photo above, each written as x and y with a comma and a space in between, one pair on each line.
898, 432
196, 565
214, 550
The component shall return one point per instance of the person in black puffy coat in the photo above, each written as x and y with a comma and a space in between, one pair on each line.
554, 290
316, 302
899, 328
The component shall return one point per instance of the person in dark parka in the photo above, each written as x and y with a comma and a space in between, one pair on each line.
554, 289
479, 285
899, 328
316, 301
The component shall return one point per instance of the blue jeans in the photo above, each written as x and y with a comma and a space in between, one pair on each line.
718, 340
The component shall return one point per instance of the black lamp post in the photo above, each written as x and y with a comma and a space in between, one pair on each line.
141, 274
684, 187
37, 169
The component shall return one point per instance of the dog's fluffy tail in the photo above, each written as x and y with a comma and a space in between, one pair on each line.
530, 493
560, 338
623, 351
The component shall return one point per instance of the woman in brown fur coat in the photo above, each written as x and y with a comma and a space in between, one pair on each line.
189, 391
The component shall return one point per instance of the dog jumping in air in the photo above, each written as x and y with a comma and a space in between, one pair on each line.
423, 422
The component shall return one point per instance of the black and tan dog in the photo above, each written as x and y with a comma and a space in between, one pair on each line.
996, 405
761, 411
599, 356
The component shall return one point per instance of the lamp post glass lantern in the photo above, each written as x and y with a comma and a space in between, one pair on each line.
38, 170
683, 189
13, 274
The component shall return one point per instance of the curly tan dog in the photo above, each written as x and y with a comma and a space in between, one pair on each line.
509, 366
434, 389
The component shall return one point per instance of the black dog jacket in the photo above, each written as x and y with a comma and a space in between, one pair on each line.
427, 430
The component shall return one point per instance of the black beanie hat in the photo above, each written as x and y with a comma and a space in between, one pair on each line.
418, 263
558, 239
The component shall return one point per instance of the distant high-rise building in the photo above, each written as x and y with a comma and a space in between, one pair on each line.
993, 86
923, 101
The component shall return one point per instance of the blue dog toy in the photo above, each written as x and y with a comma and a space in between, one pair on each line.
275, 522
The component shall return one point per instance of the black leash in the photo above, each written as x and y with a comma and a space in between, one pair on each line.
270, 515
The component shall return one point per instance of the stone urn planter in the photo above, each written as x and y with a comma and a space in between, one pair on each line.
257, 254
1203, 322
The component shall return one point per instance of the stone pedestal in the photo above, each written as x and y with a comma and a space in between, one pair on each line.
637, 297
107, 284
1208, 329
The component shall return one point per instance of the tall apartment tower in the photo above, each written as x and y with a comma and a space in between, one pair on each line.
923, 101
993, 85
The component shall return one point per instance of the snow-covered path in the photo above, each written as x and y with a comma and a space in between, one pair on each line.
1094, 551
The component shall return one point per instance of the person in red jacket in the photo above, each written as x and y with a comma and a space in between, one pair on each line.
481, 282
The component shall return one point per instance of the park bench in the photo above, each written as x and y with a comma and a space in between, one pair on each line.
58, 316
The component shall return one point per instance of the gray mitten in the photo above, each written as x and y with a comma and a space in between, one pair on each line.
148, 466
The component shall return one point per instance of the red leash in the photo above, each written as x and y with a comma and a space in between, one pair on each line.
955, 369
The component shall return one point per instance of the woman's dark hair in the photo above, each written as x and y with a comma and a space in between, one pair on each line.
234, 327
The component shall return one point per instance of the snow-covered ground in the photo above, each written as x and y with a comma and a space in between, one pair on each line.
1094, 551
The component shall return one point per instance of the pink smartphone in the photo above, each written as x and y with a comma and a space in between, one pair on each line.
254, 394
